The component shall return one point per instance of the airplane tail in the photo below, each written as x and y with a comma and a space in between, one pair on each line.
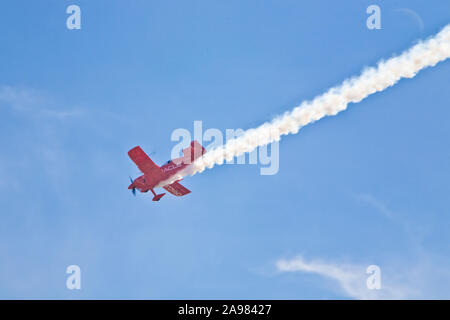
193, 152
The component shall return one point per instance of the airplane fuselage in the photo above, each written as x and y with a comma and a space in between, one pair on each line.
145, 183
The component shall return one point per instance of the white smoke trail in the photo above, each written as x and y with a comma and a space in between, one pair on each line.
386, 74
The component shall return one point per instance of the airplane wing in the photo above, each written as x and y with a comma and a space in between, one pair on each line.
177, 189
142, 160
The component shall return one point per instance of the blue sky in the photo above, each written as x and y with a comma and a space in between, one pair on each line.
369, 186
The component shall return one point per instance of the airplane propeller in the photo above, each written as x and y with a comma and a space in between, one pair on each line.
133, 191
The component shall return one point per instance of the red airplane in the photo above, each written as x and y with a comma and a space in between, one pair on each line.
153, 175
